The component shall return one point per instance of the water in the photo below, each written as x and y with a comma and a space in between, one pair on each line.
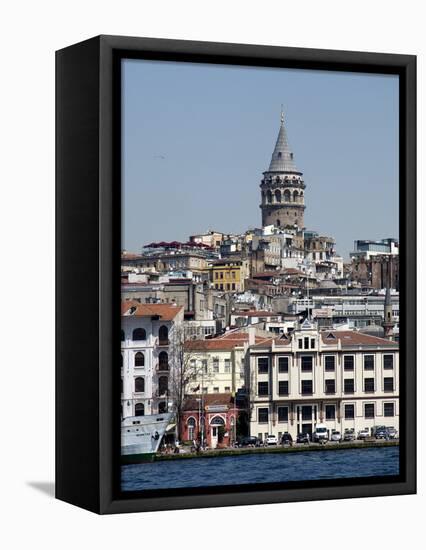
261, 468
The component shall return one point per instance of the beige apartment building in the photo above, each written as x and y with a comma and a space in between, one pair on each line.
344, 379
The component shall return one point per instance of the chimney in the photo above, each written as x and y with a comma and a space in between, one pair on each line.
252, 336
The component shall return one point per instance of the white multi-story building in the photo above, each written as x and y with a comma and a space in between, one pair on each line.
344, 379
146, 335
219, 363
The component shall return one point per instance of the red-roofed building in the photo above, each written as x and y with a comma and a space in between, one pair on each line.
343, 379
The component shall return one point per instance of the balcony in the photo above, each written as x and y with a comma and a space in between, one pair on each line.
163, 342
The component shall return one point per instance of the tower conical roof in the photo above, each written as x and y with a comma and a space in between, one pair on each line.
282, 158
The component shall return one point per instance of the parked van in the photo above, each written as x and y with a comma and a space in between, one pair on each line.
321, 433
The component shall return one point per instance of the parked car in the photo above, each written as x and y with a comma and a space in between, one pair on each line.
286, 439
271, 440
393, 434
321, 433
303, 438
362, 434
249, 441
336, 436
381, 433
349, 434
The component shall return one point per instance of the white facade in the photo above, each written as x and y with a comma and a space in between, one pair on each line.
146, 361
344, 379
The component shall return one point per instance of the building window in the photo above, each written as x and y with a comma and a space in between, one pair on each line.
163, 361
300, 343
282, 414
306, 342
312, 343
368, 384
139, 359
330, 363
163, 336
349, 412
263, 388
121, 355
388, 409
388, 362
163, 385
368, 362
162, 407
139, 409
349, 385
330, 386
282, 364
227, 388
369, 410
263, 415
306, 361
388, 384
263, 365
139, 384
283, 387
233, 286
330, 412
191, 423
216, 390
227, 366
122, 336
348, 362
306, 387
215, 364
139, 334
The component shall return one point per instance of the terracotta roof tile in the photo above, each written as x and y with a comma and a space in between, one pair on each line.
353, 338
166, 312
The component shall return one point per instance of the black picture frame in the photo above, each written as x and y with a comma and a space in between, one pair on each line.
88, 231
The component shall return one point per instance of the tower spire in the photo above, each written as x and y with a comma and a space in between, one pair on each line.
282, 115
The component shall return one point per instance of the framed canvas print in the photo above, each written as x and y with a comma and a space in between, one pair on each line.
236, 284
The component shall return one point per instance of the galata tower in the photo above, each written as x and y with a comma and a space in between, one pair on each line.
282, 188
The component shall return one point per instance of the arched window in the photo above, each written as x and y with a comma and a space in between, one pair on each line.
139, 409
278, 223
139, 384
191, 428
217, 421
278, 195
163, 361
139, 359
296, 196
286, 195
162, 407
163, 385
163, 336
139, 334
122, 336
269, 196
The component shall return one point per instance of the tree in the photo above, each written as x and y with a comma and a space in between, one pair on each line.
185, 370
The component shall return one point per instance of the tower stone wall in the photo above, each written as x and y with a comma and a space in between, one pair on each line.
282, 188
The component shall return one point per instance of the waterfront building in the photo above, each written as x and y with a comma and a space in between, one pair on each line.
146, 362
210, 419
344, 379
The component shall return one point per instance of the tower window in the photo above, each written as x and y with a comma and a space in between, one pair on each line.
278, 223
279, 155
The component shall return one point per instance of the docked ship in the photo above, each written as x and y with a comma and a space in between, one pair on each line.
141, 436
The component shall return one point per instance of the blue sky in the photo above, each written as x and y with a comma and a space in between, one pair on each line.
196, 139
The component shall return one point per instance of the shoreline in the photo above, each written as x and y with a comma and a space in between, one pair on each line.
277, 449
